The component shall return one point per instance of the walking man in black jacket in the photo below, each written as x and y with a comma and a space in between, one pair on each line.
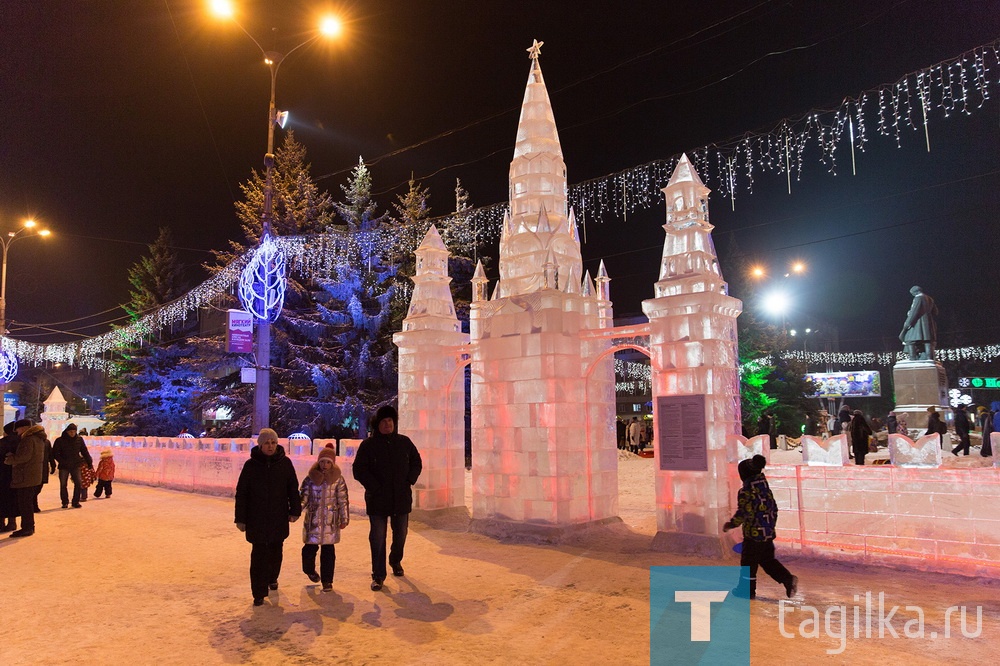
387, 465
70, 452
267, 500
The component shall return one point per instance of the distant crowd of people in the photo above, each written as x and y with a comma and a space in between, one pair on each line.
862, 433
634, 435
28, 461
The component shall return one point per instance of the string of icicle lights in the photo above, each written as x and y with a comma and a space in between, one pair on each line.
307, 256
960, 85
957, 86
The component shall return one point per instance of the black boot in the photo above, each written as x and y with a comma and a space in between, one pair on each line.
309, 567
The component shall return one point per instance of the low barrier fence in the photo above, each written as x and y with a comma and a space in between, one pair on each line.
211, 466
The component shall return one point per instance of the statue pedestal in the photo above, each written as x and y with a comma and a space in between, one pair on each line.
919, 385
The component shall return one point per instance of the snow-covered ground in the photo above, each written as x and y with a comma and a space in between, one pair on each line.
159, 576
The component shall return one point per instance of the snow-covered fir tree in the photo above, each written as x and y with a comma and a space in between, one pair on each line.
153, 389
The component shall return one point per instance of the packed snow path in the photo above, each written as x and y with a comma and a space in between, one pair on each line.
159, 576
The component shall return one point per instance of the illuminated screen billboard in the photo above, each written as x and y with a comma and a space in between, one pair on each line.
859, 384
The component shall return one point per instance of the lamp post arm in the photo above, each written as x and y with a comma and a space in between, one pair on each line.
3, 291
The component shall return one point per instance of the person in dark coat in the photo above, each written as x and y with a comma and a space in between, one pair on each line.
70, 453
757, 512
891, 424
765, 426
387, 465
962, 427
8, 497
859, 432
48, 467
986, 427
27, 463
936, 425
843, 419
267, 500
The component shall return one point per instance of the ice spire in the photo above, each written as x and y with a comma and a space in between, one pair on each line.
689, 262
538, 197
431, 306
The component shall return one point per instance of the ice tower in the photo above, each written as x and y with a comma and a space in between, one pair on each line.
431, 395
544, 452
696, 399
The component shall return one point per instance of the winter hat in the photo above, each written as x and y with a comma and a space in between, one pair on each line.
328, 451
71, 426
106, 453
387, 412
23, 423
931, 409
9, 428
751, 467
266, 433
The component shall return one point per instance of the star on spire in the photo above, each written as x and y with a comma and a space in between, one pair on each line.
535, 50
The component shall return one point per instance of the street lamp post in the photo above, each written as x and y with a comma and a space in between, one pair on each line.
6, 242
256, 286
29, 226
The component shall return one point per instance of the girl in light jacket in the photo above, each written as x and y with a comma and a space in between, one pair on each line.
326, 508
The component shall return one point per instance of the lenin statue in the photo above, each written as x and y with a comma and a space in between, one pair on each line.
920, 332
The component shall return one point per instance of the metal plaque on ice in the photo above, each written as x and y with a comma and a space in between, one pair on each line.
681, 433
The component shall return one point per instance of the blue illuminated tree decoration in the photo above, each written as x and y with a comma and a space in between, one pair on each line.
8, 366
262, 283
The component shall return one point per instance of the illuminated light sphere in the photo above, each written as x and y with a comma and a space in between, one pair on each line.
776, 302
8, 365
798, 267
222, 8
262, 282
757, 272
331, 26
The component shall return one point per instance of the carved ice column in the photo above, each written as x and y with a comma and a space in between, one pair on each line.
696, 402
431, 383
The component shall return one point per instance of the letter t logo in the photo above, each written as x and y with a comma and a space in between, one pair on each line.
701, 610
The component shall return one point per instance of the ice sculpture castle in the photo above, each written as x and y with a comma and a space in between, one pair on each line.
541, 351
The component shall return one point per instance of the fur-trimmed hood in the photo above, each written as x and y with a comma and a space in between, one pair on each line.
318, 476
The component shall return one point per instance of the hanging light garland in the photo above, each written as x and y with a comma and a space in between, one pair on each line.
957, 86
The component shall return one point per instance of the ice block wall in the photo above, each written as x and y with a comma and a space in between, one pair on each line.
543, 431
937, 519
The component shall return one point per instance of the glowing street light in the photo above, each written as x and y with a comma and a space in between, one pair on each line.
262, 284
777, 303
8, 362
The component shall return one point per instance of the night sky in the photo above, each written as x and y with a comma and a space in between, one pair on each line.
122, 117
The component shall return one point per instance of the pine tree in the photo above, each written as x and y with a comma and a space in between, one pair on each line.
153, 390
459, 236
332, 359
298, 204
409, 229
156, 279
